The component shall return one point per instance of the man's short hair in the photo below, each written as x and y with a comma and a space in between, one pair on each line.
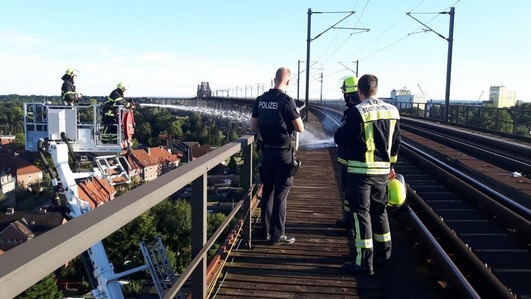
368, 85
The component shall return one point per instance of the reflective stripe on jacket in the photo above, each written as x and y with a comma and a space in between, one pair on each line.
371, 137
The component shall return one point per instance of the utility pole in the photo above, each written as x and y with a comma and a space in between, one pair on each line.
321, 94
309, 39
356, 71
450, 41
298, 78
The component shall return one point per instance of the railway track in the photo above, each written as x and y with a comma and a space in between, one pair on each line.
472, 216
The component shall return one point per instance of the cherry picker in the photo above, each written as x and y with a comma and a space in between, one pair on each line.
69, 132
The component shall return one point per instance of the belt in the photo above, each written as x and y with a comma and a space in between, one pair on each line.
276, 147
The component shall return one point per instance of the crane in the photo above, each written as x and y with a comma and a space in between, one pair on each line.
62, 131
421, 91
480, 95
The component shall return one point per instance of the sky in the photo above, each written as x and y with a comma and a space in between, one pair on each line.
166, 48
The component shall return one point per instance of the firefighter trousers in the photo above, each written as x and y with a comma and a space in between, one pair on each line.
367, 196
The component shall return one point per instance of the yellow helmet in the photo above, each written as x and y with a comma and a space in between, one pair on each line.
122, 86
396, 189
71, 72
350, 85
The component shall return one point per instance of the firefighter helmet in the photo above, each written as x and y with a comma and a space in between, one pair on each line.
122, 86
71, 72
350, 85
397, 191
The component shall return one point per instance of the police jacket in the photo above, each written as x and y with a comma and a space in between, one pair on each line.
275, 111
370, 136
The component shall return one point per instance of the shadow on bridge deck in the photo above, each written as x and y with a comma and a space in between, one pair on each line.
311, 267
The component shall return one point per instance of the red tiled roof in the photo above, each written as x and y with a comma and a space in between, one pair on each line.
17, 165
96, 191
6, 139
162, 155
140, 158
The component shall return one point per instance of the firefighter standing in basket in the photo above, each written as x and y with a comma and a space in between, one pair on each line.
110, 113
68, 90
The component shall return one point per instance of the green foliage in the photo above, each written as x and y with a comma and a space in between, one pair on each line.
175, 224
233, 166
46, 288
143, 132
123, 245
132, 288
20, 142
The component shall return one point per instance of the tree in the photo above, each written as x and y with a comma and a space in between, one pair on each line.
123, 244
46, 288
175, 128
20, 142
232, 165
143, 132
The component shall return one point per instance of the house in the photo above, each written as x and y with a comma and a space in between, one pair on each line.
5, 140
196, 150
149, 163
96, 191
18, 227
190, 149
23, 171
16, 233
7, 186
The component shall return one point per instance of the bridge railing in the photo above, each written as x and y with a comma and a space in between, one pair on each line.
28, 263
513, 122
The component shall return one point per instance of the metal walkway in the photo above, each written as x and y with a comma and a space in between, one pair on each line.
311, 267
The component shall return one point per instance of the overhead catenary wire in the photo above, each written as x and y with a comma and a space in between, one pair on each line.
331, 70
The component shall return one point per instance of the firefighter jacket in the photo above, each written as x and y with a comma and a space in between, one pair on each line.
342, 150
275, 111
68, 90
370, 137
115, 98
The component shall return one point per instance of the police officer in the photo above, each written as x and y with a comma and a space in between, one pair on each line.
68, 90
110, 114
371, 132
350, 95
276, 116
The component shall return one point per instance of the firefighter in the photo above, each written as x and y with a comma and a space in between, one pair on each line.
371, 133
276, 116
110, 114
68, 90
350, 95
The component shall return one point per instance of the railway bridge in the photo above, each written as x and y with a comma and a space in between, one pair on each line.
427, 261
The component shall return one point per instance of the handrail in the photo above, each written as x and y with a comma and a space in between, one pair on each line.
26, 264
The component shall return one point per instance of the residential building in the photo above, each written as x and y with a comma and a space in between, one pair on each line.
148, 164
96, 191
7, 186
6, 139
18, 227
24, 172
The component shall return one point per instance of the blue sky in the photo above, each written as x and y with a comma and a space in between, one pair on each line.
166, 48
